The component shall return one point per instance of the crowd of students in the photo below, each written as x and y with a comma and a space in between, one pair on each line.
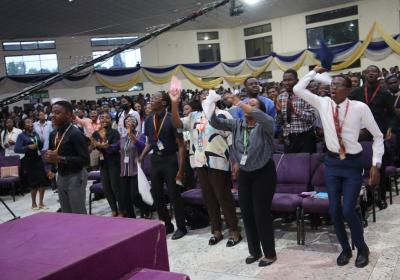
209, 139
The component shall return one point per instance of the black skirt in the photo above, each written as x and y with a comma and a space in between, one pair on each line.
32, 171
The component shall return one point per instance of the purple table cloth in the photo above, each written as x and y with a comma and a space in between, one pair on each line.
150, 274
70, 246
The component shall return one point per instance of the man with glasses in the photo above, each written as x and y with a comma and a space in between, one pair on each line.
342, 120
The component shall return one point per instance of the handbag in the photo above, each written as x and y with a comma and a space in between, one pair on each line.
144, 186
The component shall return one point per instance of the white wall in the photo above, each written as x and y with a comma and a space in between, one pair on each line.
288, 33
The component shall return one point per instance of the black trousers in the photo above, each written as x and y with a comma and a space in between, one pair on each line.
301, 142
131, 197
110, 178
256, 190
164, 170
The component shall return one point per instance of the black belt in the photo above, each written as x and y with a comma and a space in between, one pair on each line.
337, 155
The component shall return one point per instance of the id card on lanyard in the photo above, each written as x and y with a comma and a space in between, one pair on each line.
126, 150
246, 136
157, 131
36, 142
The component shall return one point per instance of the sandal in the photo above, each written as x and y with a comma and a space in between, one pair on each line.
232, 242
215, 239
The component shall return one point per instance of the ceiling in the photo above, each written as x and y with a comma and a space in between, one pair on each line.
58, 18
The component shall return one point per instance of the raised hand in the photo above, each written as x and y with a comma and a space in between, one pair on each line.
174, 95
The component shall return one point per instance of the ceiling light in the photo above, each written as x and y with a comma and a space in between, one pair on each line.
209, 46
206, 38
251, 2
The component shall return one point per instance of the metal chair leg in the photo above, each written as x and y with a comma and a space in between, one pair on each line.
303, 232
298, 224
390, 190
13, 191
90, 203
373, 205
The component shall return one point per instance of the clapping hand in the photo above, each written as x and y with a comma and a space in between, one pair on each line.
52, 156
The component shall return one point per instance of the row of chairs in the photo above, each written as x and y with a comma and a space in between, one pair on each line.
297, 173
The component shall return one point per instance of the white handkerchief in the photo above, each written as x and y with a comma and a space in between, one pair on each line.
209, 103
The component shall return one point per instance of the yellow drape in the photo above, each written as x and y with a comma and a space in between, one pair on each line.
124, 86
200, 83
393, 44
295, 66
160, 80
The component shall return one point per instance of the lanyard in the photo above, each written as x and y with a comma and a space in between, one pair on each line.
126, 148
58, 141
35, 140
156, 129
336, 120
246, 136
367, 100
42, 128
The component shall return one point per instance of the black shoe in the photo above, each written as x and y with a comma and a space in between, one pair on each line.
169, 228
265, 262
179, 233
344, 258
231, 242
382, 204
362, 257
215, 239
252, 259
58, 210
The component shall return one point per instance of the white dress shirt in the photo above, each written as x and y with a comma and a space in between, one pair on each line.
121, 127
44, 131
6, 136
359, 116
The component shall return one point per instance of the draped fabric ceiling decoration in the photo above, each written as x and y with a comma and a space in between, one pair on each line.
236, 72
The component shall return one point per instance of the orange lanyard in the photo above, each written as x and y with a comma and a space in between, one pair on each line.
156, 129
58, 141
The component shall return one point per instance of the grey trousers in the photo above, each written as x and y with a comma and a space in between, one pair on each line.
72, 192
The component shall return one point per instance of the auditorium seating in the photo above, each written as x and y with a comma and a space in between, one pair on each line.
6, 180
293, 178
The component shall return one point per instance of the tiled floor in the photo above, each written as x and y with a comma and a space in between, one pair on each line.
315, 260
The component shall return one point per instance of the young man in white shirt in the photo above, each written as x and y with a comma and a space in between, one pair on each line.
43, 128
9, 138
342, 120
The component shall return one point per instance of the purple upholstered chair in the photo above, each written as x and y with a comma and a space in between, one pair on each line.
94, 175
390, 168
313, 205
293, 178
96, 188
193, 196
367, 163
13, 180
